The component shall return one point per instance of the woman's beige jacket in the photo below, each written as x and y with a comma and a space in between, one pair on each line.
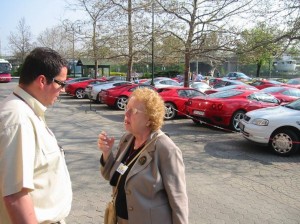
155, 186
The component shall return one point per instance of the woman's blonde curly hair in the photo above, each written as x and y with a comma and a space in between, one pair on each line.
154, 104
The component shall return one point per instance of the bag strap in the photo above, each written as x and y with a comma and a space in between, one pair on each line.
137, 155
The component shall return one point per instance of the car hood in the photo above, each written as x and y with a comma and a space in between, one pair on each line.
278, 111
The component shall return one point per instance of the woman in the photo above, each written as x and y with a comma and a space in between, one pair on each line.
152, 186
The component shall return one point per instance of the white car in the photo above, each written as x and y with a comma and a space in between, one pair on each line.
92, 91
161, 82
277, 127
201, 86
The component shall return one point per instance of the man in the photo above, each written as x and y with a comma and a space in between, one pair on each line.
35, 185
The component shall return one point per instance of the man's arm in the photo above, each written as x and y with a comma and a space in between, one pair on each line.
20, 208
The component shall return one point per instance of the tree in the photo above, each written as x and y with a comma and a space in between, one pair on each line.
254, 46
20, 41
55, 38
98, 13
134, 40
195, 21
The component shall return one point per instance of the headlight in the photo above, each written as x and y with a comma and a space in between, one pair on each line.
260, 122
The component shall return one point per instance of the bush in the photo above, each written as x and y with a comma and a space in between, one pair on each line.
117, 74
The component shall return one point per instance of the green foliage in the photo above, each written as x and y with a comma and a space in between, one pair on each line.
256, 46
117, 74
16, 72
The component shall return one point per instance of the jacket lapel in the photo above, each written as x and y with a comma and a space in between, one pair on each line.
144, 159
140, 164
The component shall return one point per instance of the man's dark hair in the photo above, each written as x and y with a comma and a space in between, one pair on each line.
41, 61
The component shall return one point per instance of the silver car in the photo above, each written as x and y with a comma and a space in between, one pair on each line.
92, 91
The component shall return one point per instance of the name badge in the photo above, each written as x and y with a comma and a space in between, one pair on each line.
122, 168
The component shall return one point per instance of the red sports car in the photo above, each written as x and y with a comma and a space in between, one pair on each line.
76, 89
294, 83
225, 88
261, 84
175, 99
226, 108
283, 93
117, 97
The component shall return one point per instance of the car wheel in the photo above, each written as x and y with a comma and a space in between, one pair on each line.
237, 116
121, 102
284, 142
170, 111
98, 98
79, 93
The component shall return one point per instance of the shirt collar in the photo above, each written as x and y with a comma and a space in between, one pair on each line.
36, 106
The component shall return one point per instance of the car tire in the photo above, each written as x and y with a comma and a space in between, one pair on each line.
121, 102
171, 111
79, 93
97, 98
234, 123
285, 142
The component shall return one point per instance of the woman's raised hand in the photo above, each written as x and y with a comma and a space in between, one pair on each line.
105, 144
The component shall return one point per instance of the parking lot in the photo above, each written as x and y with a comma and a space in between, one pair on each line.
229, 179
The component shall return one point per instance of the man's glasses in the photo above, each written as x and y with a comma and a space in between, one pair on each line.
133, 110
62, 84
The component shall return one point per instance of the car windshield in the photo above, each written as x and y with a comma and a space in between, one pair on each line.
293, 105
272, 89
189, 93
293, 81
225, 94
5, 68
275, 82
141, 86
263, 97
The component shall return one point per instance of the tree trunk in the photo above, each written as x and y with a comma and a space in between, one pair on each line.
129, 71
186, 69
96, 68
258, 69
130, 42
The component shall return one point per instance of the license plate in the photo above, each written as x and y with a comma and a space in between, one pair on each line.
241, 126
198, 112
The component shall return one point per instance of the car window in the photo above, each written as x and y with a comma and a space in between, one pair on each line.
192, 93
182, 93
293, 105
225, 94
120, 83
293, 81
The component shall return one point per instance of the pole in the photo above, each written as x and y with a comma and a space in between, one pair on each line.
73, 51
152, 38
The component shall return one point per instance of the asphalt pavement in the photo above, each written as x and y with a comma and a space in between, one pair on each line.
229, 180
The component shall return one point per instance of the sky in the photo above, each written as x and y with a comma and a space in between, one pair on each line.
38, 14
